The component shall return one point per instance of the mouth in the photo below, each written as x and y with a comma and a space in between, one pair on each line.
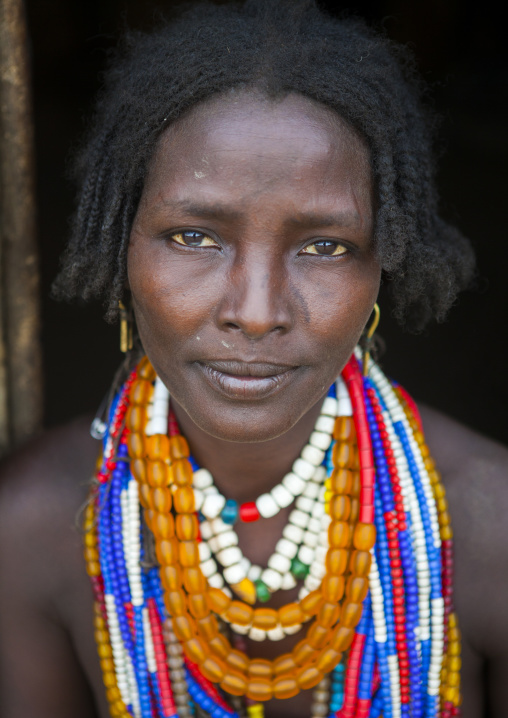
246, 380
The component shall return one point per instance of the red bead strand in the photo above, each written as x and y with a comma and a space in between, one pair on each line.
395, 521
166, 693
350, 706
354, 380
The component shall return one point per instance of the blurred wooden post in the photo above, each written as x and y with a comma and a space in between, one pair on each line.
20, 353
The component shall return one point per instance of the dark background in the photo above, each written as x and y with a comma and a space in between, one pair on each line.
458, 366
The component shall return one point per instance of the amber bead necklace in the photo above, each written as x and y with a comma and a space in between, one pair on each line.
192, 604
160, 631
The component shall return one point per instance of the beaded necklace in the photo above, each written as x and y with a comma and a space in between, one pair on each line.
383, 637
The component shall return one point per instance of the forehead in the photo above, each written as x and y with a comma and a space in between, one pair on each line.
246, 140
232, 119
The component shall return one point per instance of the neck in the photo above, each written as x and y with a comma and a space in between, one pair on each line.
243, 471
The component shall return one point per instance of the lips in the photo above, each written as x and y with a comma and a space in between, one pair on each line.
248, 369
246, 380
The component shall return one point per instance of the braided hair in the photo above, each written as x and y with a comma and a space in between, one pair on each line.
280, 47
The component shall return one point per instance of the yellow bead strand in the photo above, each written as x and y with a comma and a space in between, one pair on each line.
450, 673
117, 707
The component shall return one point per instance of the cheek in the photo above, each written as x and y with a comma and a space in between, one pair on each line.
340, 305
169, 300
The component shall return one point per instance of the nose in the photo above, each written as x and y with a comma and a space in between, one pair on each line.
256, 298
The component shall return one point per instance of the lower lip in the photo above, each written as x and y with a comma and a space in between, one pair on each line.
246, 387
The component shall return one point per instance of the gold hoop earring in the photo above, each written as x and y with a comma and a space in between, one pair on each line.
126, 340
368, 338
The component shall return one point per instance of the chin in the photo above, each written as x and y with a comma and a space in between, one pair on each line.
245, 427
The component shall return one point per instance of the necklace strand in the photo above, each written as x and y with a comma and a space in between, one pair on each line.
213, 504
404, 653
296, 554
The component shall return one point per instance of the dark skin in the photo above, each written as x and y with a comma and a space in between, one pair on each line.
254, 233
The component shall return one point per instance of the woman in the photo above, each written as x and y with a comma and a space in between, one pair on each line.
251, 176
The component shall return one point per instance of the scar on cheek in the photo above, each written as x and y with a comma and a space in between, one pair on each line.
225, 344
199, 175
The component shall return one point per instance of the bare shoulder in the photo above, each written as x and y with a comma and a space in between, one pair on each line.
46, 473
461, 451
42, 487
475, 473
47, 655
55, 452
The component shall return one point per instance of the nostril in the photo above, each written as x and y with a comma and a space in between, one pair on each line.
232, 326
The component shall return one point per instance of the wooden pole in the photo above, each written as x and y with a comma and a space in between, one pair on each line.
20, 354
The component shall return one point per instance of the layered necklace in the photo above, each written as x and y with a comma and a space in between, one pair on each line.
368, 537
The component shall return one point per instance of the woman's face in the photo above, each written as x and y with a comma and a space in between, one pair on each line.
250, 261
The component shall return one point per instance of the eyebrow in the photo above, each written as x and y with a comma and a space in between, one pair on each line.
311, 220
206, 211
301, 220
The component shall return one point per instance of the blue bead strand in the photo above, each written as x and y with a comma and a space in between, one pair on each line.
411, 591
204, 701
369, 655
120, 577
388, 648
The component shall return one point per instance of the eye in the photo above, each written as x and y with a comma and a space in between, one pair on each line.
192, 238
325, 248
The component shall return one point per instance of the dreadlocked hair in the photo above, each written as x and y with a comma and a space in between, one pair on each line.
280, 46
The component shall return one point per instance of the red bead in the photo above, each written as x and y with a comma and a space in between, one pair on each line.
367, 495
367, 475
366, 515
249, 512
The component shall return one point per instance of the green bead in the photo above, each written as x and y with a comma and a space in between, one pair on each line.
299, 569
262, 592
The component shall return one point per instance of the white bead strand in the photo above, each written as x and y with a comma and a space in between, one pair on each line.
291, 543
295, 481
158, 410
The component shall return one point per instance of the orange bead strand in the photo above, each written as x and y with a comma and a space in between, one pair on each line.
163, 462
